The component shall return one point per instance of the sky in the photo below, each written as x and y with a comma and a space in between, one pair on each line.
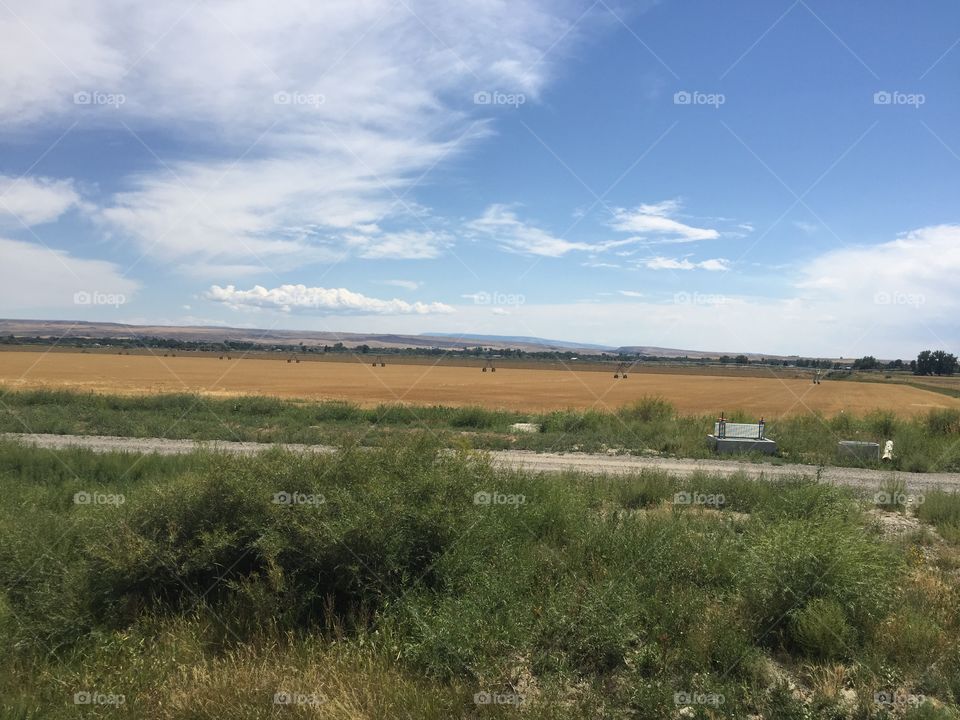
770, 176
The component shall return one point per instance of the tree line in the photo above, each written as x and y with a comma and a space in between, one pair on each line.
928, 362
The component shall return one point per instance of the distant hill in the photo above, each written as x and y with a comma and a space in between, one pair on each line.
696, 354
206, 333
524, 340
452, 341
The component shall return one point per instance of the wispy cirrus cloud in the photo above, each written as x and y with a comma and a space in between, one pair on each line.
500, 224
405, 284
654, 222
308, 124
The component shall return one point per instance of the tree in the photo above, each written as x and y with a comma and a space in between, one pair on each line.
944, 363
868, 362
742, 360
938, 362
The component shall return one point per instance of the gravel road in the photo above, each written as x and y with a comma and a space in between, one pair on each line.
522, 459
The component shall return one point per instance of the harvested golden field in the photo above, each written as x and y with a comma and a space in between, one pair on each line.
520, 389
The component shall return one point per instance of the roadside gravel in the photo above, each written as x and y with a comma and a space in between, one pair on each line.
525, 460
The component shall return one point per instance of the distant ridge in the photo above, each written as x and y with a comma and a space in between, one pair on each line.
452, 341
524, 339
210, 333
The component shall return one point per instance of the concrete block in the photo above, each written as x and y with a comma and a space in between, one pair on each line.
525, 427
736, 446
858, 450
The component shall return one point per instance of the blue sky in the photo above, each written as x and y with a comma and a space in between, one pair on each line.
767, 176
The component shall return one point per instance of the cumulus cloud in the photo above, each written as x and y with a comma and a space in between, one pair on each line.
665, 263
654, 221
300, 298
35, 200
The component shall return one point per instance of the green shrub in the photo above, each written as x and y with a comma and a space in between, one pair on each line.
647, 409
794, 562
645, 490
821, 629
944, 421
474, 417
882, 423
942, 510
335, 412
892, 495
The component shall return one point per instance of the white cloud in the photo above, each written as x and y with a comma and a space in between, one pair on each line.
662, 208
665, 263
714, 264
500, 223
31, 276
924, 263
311, 121
404, 245
48, 49
34, 200
807, 227
405, 284
834, 313
632, 293
300, 298
654, 221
